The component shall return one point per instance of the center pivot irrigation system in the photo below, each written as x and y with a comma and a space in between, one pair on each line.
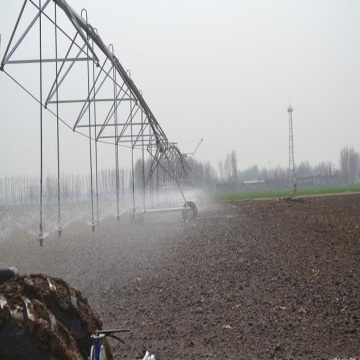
60, 60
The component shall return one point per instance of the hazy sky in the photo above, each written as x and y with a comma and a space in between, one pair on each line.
223, 71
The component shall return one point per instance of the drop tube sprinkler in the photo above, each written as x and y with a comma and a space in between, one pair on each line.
41, 232
163, 154
41, 236
135, 94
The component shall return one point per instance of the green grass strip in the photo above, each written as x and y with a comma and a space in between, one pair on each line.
279, 193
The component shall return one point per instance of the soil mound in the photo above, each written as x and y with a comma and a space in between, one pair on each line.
47, 316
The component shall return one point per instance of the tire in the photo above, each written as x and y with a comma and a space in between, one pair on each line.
190, 211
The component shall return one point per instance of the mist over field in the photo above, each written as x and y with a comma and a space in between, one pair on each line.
129, 133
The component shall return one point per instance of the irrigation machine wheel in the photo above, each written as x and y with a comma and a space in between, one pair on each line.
189, 212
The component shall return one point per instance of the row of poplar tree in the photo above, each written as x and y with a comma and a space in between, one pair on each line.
26, 189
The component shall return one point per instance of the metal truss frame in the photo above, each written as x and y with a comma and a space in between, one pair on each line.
108, 85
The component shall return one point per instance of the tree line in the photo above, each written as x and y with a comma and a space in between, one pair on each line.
26, 190
227, 176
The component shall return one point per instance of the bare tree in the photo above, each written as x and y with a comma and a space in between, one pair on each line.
234, 167
221, 170
349, 164
304, 169
227, 168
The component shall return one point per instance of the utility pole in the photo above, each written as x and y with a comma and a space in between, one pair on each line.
292, 180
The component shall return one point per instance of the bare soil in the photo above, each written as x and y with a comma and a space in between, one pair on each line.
247, 280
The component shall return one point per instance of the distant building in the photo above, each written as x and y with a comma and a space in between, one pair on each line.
254, 184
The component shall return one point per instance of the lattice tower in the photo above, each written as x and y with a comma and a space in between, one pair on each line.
292, 180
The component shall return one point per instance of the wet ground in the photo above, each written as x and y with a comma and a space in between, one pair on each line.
247, 280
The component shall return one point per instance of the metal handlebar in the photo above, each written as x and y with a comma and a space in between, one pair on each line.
110, 332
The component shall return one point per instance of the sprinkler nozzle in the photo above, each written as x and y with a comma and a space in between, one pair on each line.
41, 235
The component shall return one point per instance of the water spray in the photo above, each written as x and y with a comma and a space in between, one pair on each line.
135, 133
41, 235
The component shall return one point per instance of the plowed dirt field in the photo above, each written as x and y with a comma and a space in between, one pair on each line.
272, 279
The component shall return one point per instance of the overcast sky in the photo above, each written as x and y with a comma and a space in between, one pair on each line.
223, 71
